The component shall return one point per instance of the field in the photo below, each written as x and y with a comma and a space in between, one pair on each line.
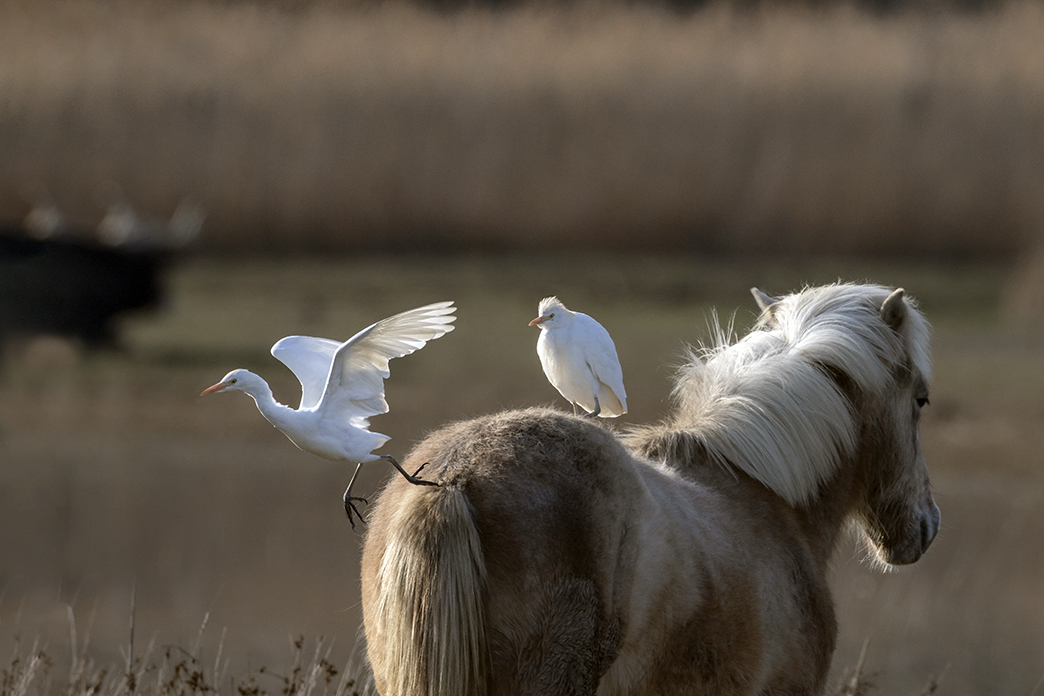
360, 157
115, 475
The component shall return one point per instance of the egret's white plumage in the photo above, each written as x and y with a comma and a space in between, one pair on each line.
342, 385
579, 359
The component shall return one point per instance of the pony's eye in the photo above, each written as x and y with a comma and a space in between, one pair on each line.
922, 401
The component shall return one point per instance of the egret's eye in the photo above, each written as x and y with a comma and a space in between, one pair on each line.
922, 401
232, 381
551, 315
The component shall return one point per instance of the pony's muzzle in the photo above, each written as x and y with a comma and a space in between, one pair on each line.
930, 522
916, 542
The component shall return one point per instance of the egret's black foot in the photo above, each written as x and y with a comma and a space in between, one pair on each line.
349, 508
412, 478
420, 482
414, 475
417, 481
349, 505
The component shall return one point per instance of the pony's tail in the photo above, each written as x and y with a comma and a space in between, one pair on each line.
429, 606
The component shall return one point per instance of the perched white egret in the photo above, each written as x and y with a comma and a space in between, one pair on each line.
342, 386
579, 359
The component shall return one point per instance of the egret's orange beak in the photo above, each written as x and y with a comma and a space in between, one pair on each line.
538, 321
220, 386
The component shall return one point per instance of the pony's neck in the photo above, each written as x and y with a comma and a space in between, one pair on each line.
825, 516
821, 521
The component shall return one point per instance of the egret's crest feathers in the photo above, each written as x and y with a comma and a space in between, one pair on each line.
548, 304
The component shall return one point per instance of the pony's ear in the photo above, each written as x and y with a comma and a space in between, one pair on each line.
764, 301
893, 309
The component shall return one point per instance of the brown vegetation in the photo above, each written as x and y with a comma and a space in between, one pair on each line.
171, 670
388, 126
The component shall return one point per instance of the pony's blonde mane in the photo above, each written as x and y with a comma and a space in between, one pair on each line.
769, 403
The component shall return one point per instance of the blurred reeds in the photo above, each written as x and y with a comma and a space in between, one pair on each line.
391, 126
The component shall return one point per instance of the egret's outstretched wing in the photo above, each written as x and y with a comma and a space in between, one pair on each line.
309, 358
356, 383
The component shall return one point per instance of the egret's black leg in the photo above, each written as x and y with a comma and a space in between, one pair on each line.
349, 505
598, 409
411, 478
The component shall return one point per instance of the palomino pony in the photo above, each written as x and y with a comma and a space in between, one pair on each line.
552, 559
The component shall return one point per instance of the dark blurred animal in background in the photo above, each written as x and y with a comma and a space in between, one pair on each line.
60, 279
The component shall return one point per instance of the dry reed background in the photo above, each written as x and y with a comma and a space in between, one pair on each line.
393, 127
915, 138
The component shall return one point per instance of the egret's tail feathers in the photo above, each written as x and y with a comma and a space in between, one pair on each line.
429, 614
612, 405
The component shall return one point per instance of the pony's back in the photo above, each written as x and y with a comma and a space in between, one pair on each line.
537, 477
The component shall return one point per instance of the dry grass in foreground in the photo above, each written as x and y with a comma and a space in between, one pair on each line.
175, 671
395, 127
170, 670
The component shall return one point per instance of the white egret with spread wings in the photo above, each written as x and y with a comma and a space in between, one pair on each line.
342, 386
